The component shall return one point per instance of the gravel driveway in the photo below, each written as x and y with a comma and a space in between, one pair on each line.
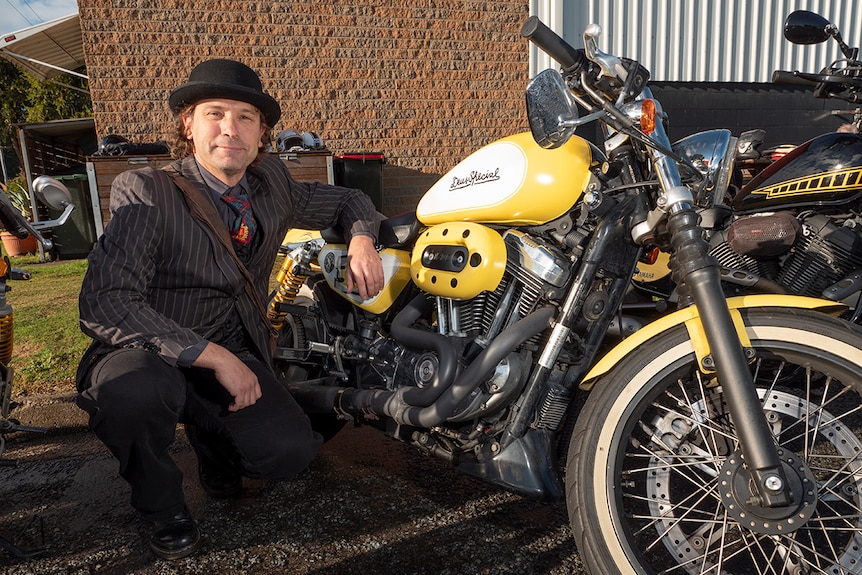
367, 504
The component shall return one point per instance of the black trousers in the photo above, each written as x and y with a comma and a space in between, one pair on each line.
135, 401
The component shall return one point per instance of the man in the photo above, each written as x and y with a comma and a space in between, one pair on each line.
179, 334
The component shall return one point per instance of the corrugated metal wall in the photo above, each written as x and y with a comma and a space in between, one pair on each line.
700, 40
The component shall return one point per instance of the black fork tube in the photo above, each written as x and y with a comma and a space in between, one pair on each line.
692, 266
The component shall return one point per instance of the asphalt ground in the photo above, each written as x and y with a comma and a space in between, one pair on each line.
367, 504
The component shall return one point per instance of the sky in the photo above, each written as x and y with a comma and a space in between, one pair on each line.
19, 14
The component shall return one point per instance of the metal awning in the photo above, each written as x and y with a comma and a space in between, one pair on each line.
47, 50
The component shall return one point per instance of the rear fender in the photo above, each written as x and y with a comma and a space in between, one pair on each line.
690, 317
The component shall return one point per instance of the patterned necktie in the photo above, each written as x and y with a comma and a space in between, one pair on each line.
243, 228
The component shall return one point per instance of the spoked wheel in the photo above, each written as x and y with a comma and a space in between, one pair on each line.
656, 482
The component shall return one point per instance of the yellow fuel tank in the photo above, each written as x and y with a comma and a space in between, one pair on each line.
512, 181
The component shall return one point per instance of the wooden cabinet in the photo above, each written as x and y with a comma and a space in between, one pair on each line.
101, 170
309, 166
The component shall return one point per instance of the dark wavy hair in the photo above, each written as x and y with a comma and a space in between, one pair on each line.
183, 147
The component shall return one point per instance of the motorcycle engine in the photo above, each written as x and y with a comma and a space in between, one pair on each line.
534, 270
395, 364
805, 254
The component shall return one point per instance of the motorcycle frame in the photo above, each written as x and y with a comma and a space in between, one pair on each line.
694, 270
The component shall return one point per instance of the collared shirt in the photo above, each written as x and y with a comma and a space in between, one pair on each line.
218, 189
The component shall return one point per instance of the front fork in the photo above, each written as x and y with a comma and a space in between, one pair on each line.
699, 276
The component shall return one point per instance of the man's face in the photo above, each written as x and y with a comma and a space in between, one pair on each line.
226, 135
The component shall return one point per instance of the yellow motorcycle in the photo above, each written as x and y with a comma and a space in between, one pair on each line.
723, 437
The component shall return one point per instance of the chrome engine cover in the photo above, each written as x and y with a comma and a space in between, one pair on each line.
805, 255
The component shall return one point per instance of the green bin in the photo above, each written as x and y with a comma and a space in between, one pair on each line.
76, 237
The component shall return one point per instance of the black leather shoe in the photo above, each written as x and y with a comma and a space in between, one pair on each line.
219, 478
176, 537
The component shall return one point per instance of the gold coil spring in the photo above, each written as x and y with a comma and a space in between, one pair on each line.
6, 338
289, 283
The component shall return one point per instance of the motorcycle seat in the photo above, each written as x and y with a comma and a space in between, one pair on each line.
399, 231
396, 232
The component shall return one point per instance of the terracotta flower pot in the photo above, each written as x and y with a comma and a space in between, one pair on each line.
15, 246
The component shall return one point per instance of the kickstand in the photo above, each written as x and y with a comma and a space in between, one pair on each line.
25, 553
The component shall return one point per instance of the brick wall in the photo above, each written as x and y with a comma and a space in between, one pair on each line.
426, 83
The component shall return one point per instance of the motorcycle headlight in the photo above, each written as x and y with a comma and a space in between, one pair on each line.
712, 153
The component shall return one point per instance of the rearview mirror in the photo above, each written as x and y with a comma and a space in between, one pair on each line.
56, 196
52, 192
551, 109
804, 27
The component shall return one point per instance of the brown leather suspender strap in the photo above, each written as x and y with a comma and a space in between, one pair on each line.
203, 209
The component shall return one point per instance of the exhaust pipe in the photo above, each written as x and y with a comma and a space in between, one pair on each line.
394, 404
447, 357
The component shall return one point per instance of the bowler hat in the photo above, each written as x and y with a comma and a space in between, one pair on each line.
226, 79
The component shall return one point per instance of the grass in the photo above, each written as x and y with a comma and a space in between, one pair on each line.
47, 340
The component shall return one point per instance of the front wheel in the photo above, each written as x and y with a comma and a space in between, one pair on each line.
655, 481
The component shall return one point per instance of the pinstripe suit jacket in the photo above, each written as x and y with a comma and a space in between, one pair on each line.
158, 279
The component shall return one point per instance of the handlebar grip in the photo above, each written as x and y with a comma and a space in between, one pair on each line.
12, 220
571, 59
791, 79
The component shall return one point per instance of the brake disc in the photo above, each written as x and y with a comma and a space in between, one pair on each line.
724, 477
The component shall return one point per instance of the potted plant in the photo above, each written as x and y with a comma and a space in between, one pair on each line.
20, 199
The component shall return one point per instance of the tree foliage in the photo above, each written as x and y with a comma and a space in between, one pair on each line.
24, 98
